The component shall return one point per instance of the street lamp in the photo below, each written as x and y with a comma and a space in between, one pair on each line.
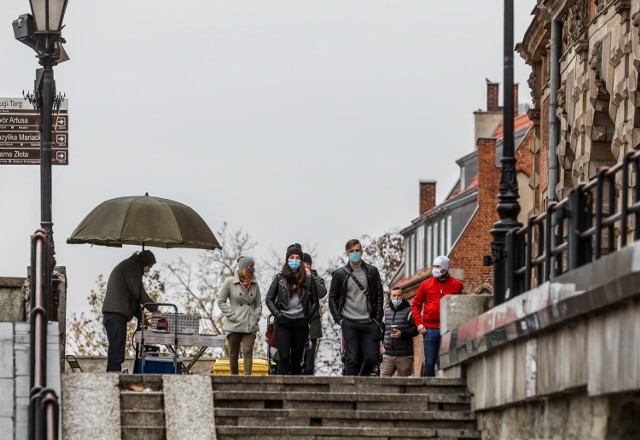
508, 206
41, 30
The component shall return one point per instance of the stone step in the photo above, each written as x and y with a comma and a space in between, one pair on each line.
141, 400
136, 418
315, 417
143, 433
305, 432
340, 384
135, 381
340, 401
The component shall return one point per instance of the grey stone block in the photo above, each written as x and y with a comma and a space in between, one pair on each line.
91, 406
21, 354
6, 358
189, 407
6, 398
6, 426
455, 310
6, 330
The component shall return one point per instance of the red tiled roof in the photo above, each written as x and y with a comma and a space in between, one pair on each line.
520, 122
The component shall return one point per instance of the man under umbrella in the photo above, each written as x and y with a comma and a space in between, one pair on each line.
125, 294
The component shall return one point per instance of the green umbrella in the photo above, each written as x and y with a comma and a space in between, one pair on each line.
145, 221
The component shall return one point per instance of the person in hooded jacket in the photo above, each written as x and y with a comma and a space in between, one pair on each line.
399, 331
125, 294
240, 302
425, 309
292, 300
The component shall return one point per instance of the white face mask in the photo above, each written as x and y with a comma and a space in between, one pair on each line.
437, 273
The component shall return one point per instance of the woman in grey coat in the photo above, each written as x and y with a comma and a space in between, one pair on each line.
239, 300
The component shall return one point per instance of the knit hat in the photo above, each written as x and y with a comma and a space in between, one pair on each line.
441, 261
294, 249
306, 258
244, 262
147, 259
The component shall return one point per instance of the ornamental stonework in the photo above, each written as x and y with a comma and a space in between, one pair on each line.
598, 93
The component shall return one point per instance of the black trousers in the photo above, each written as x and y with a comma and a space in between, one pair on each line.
291, 337
116, 326
361, 346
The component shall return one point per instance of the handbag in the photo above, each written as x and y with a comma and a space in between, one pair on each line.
270, 334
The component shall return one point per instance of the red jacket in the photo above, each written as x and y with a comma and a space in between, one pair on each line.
429, 294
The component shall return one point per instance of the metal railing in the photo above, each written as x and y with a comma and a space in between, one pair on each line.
43, 401
596, 219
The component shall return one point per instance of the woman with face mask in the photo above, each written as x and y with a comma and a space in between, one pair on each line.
240, 302
292, 300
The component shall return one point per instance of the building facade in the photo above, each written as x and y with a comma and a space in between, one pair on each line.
590, 83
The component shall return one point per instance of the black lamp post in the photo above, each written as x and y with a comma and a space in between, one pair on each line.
508, 206
41, 30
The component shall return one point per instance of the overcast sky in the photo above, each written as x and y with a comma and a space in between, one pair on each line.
295, 120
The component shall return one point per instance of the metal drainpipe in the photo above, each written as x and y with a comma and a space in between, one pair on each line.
554, 126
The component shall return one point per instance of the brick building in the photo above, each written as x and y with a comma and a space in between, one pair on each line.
459, 226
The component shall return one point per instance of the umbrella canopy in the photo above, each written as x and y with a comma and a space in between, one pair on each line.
145, 221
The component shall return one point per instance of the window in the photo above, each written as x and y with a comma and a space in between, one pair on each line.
429, 246
443, 243
436, 241
420, 248
407, 253
449, 243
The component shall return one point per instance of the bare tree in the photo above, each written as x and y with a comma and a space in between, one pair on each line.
194, 288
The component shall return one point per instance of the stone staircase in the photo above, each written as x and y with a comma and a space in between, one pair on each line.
141, 407
304, 407
307, 407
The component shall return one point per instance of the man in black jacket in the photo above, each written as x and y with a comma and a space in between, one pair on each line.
125, 294
399, 331
355, 302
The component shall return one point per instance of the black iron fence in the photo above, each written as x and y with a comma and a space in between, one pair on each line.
43, 401
596, 219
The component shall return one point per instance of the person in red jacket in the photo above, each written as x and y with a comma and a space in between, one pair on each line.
425, 309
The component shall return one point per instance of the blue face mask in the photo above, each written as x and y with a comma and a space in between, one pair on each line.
252, 270
396, 302
294, 264
355, 257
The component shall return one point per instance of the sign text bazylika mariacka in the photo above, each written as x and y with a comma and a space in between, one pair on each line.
20, 134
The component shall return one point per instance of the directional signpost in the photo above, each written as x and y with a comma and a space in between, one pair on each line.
20, 135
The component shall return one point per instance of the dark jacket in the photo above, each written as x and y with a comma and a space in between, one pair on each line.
125, 293
315, 324
278, 297
338, 289
400, 316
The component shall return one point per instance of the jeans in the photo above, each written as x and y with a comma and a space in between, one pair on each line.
247, 340
311, 358
116, 326
431, 349
362, 346
291, 337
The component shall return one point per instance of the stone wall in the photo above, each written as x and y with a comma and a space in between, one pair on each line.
561, 360
574, 416
12, 299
